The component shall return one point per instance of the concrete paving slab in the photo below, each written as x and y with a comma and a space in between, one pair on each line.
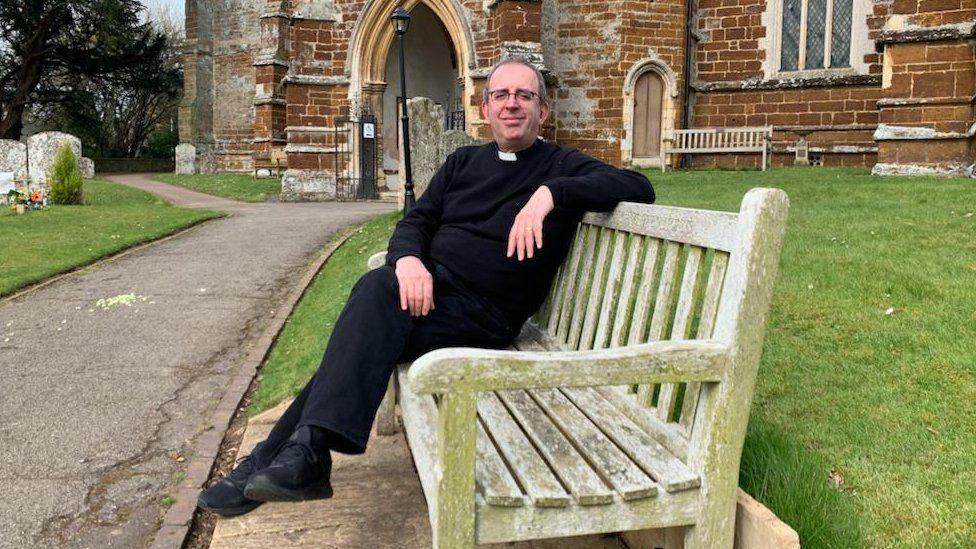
99, 403
378, 503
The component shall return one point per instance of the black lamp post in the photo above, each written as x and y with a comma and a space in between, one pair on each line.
401, 21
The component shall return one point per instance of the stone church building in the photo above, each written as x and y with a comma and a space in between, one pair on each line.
888, 84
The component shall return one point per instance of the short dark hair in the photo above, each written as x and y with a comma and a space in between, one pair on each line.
543, 96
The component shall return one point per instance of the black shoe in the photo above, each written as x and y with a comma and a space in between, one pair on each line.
297, 473
226, 498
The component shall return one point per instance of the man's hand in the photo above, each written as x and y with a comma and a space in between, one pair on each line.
416, 286
526, 233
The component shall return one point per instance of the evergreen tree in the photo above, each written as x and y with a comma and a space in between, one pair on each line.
64, 177
55, 51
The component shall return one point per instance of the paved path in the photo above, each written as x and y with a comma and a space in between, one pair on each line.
96, 403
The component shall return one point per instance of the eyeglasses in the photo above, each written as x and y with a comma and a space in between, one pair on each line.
523, 96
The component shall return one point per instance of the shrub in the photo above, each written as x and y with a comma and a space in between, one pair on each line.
64, 177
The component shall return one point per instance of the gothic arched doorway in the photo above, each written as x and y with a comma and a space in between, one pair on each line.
439, 55
432, 72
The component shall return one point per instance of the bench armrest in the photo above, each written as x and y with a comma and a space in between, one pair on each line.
470, 369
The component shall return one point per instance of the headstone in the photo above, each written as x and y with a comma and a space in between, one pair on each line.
186, 158
426, 127
43, 147
13, 157
87, 167
452, 140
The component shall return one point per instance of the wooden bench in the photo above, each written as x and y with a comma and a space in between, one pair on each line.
275, 162
624, 402
719, 140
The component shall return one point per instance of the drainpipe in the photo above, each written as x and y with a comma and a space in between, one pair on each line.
689, 60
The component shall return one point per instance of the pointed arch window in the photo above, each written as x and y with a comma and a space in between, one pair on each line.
815, 34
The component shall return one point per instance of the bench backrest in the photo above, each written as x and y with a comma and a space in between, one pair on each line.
720, 139
646, 273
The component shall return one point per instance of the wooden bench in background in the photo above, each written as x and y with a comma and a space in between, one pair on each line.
275, 162
624, 402
719, 140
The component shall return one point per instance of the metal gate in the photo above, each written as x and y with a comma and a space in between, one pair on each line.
355, 159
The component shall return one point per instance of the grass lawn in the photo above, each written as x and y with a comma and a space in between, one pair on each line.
40, 244
228, 185
862, 430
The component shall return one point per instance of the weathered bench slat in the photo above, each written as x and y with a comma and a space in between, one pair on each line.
669, 435
528, 467
620, 319
561, 331
583, 287
682, 324
663, 466
614, 465
662, 309
612, 294
566, 462
642, 301
597, 291
493, 476
705, 228
706, 323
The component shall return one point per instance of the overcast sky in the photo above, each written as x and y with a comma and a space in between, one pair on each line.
175, 7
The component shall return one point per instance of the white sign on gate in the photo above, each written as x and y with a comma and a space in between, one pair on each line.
368, 131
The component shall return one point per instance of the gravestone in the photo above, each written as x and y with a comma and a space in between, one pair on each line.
43, 147
87, 167
429, 143
186, 156
13, 157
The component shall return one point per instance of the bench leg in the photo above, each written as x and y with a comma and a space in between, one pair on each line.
386, 423
716, 526
457, 422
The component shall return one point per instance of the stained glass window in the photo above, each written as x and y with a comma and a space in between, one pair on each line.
791, 35
827, 25
816, 24
840, 44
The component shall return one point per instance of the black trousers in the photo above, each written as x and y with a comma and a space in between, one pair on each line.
371, 336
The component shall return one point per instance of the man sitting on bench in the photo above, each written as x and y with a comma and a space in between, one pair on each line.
466, 267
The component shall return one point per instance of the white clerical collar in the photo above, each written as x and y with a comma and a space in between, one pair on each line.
507, 157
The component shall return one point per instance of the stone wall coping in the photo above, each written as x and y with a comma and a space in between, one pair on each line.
269, 101
315, 80
270, 61
886, 132
938, 33
310, 149
311, 129
776, 84
839, 128
948, 169
834, 149
906, 101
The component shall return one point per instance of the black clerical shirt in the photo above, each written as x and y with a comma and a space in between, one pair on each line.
463, 219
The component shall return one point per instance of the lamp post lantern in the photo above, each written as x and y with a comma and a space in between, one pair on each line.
401, 21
